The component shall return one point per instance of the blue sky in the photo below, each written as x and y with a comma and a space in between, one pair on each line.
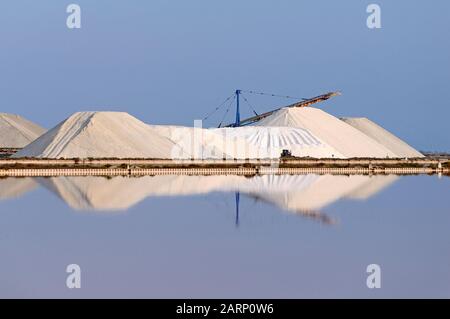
174, 61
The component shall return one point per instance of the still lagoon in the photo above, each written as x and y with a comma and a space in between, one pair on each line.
270, 236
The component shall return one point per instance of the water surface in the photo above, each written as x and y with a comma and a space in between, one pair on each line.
268, 236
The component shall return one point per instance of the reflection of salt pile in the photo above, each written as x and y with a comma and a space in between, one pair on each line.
320, 191
118, 193
99, 134
297, 193
382, 136
371, 187
17, 132
13, 187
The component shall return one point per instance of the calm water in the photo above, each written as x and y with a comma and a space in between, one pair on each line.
225, 236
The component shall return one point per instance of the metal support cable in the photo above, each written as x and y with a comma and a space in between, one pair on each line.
227, 110
275, 95
218, 107
253, 109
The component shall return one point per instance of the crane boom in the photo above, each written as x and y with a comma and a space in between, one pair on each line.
304, 103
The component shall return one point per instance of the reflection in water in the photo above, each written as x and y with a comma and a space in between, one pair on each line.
238, 195
188, 247
16, 187
302, 194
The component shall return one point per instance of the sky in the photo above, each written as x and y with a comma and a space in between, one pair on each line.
170, 62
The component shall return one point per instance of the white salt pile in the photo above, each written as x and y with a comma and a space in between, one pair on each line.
17, 132
305, 132
201, 143
119, 135
382, 136
269, 142
246, 142
345, 139
100, 134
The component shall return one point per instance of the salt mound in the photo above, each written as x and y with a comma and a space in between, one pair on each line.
246, 142
100, 134
199, 143
17, 132
303, 131
382, 136
269, 142
344, 138
119, 135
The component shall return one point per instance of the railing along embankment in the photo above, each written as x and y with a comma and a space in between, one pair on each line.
112, 167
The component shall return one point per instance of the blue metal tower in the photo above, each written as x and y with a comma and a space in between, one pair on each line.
238, 114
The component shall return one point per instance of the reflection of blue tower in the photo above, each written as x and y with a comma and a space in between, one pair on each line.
237, 208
